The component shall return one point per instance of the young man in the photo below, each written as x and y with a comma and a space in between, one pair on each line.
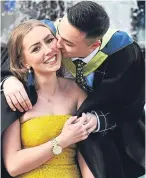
109, 65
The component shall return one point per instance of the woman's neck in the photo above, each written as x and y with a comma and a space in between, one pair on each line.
47, 85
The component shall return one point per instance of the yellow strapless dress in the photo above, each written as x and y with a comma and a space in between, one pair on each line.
39, 130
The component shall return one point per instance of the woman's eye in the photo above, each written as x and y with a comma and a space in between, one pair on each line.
36, 49
50, 40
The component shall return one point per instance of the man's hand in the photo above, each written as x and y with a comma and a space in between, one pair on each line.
16, 95
72, 132
90, 121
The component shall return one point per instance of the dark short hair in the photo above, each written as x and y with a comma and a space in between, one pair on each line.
89, 17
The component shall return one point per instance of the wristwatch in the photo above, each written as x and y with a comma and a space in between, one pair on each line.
57, 149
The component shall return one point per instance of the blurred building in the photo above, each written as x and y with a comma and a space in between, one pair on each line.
125, 15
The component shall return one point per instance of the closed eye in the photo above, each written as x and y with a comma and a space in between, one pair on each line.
70, 45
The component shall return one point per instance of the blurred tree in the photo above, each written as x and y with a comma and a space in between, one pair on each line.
138, 24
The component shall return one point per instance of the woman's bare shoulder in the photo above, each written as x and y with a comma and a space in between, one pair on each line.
71, 86
68, 84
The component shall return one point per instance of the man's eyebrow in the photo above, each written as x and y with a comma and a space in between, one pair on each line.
63, 38
39, 42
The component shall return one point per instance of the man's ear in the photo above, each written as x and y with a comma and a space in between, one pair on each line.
96, 44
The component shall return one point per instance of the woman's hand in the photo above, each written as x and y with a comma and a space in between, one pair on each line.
72, 132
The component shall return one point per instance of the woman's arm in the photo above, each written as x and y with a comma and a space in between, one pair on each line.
85, 171
18, 161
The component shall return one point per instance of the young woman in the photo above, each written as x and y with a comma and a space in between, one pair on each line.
42, 142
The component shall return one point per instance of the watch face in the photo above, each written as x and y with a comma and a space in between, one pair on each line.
57, 150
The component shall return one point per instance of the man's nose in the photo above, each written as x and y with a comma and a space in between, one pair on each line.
59, 42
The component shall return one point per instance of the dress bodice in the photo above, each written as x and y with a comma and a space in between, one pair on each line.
39, 130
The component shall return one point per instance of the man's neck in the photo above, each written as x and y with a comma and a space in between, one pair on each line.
89, 57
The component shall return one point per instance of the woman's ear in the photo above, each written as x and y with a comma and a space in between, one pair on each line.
23, 63
26, 65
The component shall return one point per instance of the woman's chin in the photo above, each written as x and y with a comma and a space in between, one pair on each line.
54, 68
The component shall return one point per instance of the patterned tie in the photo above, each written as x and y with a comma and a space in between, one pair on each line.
80, 80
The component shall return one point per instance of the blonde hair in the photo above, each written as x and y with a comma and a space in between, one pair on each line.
15, 46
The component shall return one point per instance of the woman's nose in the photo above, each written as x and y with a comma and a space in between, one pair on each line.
48, 50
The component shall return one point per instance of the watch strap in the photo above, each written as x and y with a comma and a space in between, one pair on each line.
54, 142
